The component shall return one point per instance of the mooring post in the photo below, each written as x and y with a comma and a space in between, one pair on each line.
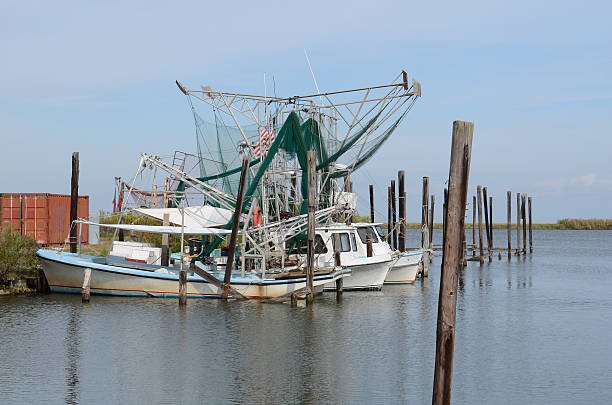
431, 220
486, 218
371, 203
523, 214
394, 213
182, 273
369, 245
425, 212
402, 211
74, 200
389, 219
518, 224
474, 225
338, 263
480, 238
85, 291
492, 247
444, 212
509, 225
165, 253
312, 184
236, 221
530, 233
447, 302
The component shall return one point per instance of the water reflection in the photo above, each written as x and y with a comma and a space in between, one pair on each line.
73, 355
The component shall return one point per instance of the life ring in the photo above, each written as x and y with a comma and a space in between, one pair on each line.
257, 216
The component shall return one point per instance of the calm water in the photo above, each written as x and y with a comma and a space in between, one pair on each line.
535, 330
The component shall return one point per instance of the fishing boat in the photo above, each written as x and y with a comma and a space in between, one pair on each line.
367, 273
130, 276
405, 265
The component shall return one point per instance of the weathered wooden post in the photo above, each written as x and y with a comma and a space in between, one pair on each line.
74, 200
165, 253
518, 224
523, 214
338, 263
85, 291
444, 211
182, 273
425, 212
480, 238
402, 212
492, 247
394, 212
509, 225
236, 221
474, 225
530, 232
371, 203
348, 187
312, 184
369, 252
389, 219
431, 220
486, 218
447, 302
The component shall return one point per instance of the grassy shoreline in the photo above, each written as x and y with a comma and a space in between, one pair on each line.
563, 224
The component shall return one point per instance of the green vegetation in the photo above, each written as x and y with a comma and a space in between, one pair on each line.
18, 259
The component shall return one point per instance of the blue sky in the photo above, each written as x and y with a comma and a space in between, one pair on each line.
535, 77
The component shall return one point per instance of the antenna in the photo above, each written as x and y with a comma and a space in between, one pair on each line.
313, 76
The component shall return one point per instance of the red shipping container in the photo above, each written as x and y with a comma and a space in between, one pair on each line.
43, 217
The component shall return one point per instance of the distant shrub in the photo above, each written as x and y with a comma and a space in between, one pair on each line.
18, 258
585, 224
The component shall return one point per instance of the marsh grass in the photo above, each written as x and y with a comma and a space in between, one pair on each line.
18, 258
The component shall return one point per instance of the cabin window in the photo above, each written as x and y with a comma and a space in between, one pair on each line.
364, 232
345, 243
353, 242
301, 246
381, 233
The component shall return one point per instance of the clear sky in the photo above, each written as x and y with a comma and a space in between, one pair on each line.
534, 76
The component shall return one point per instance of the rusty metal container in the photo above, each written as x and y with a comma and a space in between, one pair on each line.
42, 216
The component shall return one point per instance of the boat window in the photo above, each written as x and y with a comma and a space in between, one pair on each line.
364, 232
319, 245
345, 244
353, 242
381, 233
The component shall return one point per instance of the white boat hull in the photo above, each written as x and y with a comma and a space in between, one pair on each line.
405, 269
64, 272
366, 275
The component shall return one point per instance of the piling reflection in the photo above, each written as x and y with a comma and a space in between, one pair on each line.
73, 355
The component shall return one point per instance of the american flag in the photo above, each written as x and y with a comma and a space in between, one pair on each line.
266, 137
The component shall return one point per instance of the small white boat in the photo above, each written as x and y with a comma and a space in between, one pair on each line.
405, 265
115, 275
367, 273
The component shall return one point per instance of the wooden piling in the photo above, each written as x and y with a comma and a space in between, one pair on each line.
474, 225
389, 219
85, 291
425, 212
518, 224
486, 218
312, 184
236, 221
402, 211
530, 230
74, 200
492, 247
183, 287
447, 302
509, 225
165, 253
394, 213
371, 203
480, 237
431, 220
369, 251
523, 214
338, 263
444, 212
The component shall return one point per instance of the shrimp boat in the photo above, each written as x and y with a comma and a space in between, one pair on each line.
135, 274
405, 265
